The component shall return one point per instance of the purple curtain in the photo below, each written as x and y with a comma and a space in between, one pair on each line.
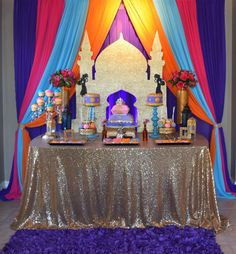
211, 20
25, 18
122, 24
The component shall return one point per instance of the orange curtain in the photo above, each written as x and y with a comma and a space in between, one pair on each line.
99, 20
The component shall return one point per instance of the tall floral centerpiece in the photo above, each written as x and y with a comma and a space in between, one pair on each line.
183, 80
64, 79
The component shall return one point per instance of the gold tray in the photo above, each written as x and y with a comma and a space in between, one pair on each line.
110, 141
58, 142
173, 141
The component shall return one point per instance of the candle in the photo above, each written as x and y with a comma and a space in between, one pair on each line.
173, 114
81, 113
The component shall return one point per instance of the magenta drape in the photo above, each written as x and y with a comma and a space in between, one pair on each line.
48, 19
188, 13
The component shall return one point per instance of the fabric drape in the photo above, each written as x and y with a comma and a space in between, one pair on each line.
47, 25
63, 54
188, 13
172, 25
122, 24
136, 14
66, 44
212, 34
99, 20
146, 22
25, 16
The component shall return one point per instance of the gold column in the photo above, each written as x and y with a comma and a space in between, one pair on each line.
65, 96
182, 100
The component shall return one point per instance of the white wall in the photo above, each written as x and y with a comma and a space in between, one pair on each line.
1, 116
7, 83
228, 89
233, 115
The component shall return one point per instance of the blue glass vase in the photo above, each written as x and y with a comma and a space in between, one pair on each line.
66, 119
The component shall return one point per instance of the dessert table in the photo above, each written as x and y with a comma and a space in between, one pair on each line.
95, 185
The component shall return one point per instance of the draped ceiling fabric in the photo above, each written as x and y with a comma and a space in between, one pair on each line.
189, 37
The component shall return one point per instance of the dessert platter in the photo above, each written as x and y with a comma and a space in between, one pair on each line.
67, 142
120, 120
173, 141
166, 126
68, 138
121, 141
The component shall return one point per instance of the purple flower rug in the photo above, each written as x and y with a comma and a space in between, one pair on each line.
169, 240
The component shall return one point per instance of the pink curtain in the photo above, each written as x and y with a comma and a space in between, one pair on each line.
48, 19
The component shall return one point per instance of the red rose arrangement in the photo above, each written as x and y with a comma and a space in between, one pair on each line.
183, 79
63, 78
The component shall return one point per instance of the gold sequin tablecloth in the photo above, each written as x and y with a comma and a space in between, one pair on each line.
118, 186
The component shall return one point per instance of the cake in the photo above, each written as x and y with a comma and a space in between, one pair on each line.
88, 128
166, 126
120, 118
92, 99
120, 115
155, 99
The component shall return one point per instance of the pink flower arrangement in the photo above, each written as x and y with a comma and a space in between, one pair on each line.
63, 78
183, 79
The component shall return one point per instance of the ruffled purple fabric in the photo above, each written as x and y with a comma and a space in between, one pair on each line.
170, 239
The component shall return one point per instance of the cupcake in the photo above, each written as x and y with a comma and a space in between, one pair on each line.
49, 93
40, 101
57, 101
34, 107
41, 93
50, 108
57, 92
